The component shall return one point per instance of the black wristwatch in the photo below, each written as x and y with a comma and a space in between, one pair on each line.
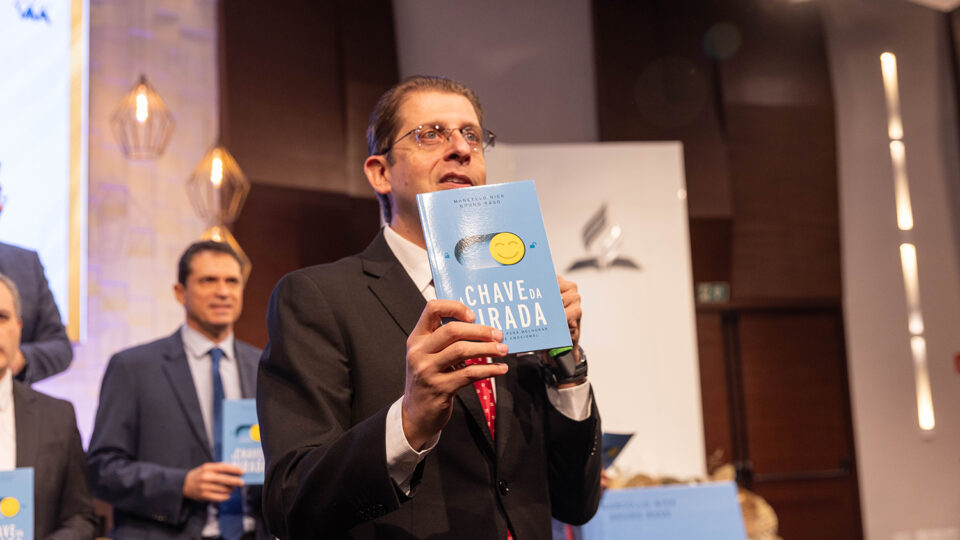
565, 368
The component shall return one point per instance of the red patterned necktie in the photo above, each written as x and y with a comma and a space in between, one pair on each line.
485, 392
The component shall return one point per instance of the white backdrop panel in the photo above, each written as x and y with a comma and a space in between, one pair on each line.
34, 133
638, 325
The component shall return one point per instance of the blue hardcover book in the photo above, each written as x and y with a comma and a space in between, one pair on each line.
16, 504
679, 512
241, 439
611, 446
488, 249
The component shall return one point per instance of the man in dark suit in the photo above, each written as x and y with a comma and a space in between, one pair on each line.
154, 450
44, 347
370, 410
39, 431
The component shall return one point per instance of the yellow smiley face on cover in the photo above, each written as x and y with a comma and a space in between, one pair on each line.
507, 248
9, 507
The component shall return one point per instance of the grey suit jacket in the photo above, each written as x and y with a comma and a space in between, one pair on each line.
149, 433
44, 340
48, 441
335, 363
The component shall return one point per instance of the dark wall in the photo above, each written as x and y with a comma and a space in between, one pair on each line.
298, 81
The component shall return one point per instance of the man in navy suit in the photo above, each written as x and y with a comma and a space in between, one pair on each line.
153, 453
44, 347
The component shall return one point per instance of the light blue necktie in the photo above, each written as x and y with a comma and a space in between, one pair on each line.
231, 511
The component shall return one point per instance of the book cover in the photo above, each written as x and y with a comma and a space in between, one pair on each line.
488, 249
16, 504
678, 512
241, 439
611, 446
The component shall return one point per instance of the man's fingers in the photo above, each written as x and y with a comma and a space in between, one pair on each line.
225, 468
475, 372
453, 332
461, 351
224, 479
436, 310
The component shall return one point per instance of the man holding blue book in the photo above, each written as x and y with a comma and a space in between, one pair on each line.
156, 450
39, 432
377, 420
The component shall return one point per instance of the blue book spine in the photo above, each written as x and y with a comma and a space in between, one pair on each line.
488, 249
16, 504
241, 439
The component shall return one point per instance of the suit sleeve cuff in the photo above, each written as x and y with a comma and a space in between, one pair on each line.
575, 402
402, 459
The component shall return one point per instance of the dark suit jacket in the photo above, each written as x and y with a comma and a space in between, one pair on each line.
48, 441
149, 433
335, 363
43, 341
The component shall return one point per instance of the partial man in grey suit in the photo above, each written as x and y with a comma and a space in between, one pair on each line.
154, 453
44, 347
39, 431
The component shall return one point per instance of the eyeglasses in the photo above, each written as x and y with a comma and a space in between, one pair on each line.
433, 136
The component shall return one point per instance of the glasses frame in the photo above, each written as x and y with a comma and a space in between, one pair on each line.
487, 138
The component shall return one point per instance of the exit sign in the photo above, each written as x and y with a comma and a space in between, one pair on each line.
713, 292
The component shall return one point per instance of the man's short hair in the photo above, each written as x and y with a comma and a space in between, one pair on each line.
183, 268
384, 123
13, 292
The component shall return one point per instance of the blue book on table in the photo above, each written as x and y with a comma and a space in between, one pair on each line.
16, 504
488, 249
679, 512
241, 439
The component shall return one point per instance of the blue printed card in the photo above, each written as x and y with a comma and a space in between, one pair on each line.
682, 512
488, 249
16, 504
241, 439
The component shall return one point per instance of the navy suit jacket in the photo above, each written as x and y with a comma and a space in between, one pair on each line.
335, 363
48, 441
44, 340
149, 433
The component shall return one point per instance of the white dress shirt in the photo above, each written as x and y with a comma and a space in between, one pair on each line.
8, 427
402, 459
197, 346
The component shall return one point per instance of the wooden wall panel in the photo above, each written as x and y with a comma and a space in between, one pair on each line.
283, 229
793, 382
298, 80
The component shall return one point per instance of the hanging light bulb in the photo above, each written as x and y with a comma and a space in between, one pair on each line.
142, 123
218, 188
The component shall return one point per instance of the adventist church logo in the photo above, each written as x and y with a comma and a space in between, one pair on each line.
31, 10
602, 240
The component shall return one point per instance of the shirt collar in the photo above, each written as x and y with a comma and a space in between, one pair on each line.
198, 345
411, 256
6, 390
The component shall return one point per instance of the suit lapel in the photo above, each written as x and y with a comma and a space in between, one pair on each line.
391, 284
27, 426
177, 370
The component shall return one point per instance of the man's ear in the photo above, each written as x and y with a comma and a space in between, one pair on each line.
378, 173
179, 293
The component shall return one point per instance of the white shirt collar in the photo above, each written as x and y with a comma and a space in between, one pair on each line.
6, 390
411, 256
198, 345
